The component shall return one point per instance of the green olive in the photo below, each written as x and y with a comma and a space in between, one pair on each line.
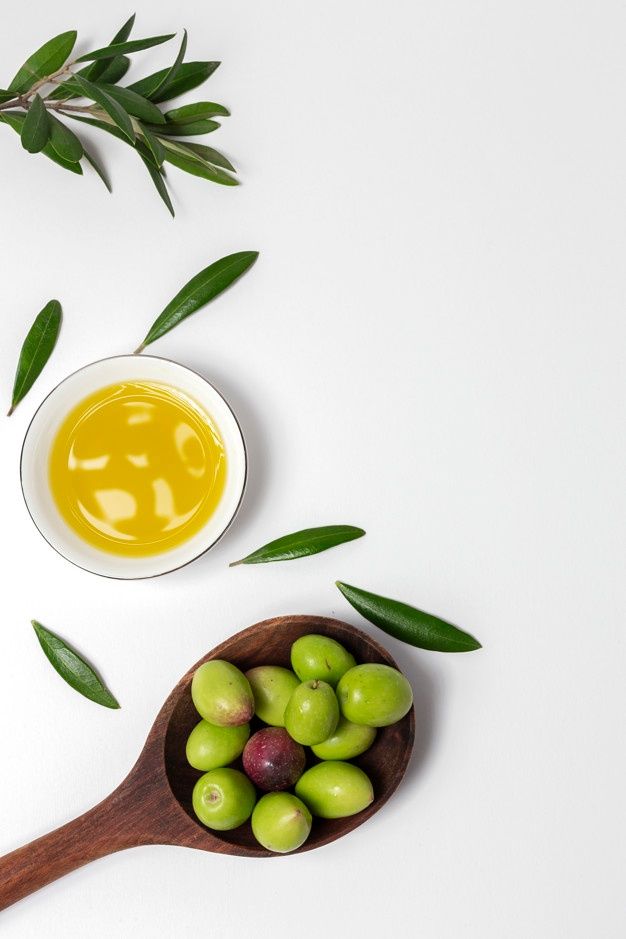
272, 686
334, 789
281, 822
349, 740
312, 713
374, 694
222, 694
210, 746
223, 799
315, 656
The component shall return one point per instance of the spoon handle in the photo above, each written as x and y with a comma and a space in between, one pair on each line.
100, 831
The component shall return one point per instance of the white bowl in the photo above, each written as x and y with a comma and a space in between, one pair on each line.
42, 431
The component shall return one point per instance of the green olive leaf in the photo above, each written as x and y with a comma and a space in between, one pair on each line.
65, 143
101, 125
36, 350
114, 69
99, 68
168, 75
193, 129
115, 111
124, 48
302, 544
188, 76
45, 61
133, 103
109, 129
156, 176
51, 153
202, 288
15, 120
178, 155
97, 168
189, 113
407, 623
125, 31
208, 155
154, 145
73, 668
36, 127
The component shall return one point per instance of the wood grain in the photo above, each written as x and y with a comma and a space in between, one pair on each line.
153, 804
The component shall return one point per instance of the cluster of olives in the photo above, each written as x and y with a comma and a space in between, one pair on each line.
327, 703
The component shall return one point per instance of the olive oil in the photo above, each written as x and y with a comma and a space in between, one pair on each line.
137, 468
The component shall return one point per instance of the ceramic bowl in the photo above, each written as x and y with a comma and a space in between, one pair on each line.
42, 431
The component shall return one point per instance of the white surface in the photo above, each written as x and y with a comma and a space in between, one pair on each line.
44, 427
431, 346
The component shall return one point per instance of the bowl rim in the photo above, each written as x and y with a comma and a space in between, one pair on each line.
177, 567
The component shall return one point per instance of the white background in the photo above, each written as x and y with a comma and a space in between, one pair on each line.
430, 346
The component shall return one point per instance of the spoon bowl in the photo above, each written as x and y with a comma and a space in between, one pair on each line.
153, 804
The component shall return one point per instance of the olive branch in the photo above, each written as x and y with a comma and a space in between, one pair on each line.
48, 87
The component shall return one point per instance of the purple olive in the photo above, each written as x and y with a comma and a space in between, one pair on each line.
272, 759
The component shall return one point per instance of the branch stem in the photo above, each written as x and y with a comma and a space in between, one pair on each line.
49, 78
50, 105
62, 106
22, 100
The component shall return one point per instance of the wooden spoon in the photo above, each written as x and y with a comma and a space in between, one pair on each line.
153, 804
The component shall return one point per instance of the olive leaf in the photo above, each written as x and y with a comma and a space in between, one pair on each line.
154, 145
170, 74
73, 668
45, 61
114, 69
133, 103
209, 155
156, 176
202, 288
36, 350
124, 48
15, 120
101, 69
52, 154
185, 130
191, 163
97, 168
115, 111
102, 124
302, 544
407, 623
189, 76
36, 127
146, 153
189, 113
64, 142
